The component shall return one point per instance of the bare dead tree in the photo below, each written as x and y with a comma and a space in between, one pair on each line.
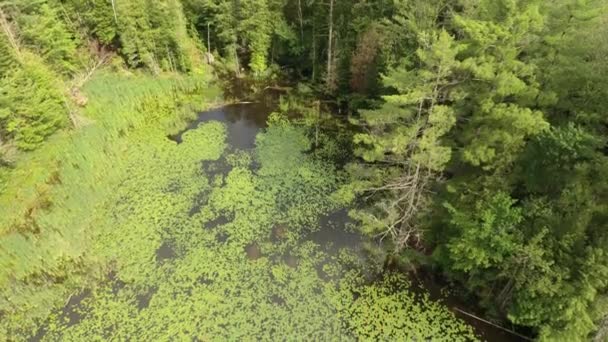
114, 10
406, 196
101, 56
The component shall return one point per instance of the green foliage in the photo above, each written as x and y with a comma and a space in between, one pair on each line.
404, 110
519, 119
134, 219
7, 56
45, 33
483, 144
33, 106
148, 34
504, 84
203, 144
404, 138
50, 209
151, 34
555, 157
291, 176
378, 315
573, 62
97, 17
530, 260
487, 238
257, 31
242, 38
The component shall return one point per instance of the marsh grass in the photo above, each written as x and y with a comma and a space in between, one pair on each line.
105, 216
50, 196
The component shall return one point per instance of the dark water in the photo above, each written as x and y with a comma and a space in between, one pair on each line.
164, 252
335, 233
439, 290
243, 122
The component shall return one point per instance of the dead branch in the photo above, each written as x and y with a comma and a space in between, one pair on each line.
104, 58
9, 32
492, 324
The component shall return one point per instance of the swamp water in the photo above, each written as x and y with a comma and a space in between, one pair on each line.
227, 231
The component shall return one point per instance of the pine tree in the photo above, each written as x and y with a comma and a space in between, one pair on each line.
404, 140
525, 227
7, 58
500, 85
45, 33
32, 103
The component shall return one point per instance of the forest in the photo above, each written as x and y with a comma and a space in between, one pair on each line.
377, 170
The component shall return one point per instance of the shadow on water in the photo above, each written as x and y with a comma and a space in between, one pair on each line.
165, 252
334, 234
71, 313
143, 299
439, 290
243, 121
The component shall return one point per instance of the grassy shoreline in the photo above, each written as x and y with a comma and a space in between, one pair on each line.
104, 200
47, 208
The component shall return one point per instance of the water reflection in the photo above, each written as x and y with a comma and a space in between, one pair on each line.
243, 122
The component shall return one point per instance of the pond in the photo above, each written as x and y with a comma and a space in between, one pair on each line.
243, 122
226, 231
336, 230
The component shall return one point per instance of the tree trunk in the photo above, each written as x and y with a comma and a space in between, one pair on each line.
208, 39
301, 22
314, 51
114, 10
329, 44
236, 61
318, 105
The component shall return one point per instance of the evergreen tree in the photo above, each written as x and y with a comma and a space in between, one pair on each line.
31, 102
96, 18
43, 32
404, 139
7, 57
530, 242
499, 84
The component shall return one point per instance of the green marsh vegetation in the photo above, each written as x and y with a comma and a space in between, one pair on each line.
143, 264
461, 139
49, 206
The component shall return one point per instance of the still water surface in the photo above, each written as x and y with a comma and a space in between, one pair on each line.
243, 123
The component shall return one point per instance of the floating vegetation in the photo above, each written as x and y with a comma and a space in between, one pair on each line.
242, 266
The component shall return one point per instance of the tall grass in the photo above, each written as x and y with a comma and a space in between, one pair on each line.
48, 203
